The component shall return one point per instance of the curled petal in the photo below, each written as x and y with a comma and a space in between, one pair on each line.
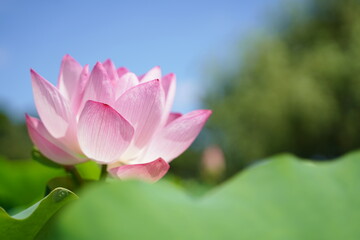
150, 172
53, 108
152, 74
47, 144
177, 135
142, 106
69, 76
103, 133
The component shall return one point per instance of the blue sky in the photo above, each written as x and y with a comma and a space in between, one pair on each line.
180, 36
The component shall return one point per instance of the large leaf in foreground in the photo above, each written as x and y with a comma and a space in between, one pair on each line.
28, 223
282, 198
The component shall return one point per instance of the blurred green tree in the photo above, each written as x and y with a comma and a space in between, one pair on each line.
298, 91
14, 141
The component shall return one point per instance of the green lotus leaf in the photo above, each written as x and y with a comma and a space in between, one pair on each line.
28, 223
283, 197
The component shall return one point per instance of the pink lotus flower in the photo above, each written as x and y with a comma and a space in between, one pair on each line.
113, 117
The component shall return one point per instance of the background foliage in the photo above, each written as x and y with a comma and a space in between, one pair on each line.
295, 91
14, 140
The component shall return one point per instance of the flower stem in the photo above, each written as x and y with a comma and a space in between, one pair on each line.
75, 175
103, 172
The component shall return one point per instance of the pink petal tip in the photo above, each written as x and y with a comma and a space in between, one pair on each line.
149, 172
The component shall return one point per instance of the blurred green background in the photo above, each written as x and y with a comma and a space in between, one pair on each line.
295, 89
